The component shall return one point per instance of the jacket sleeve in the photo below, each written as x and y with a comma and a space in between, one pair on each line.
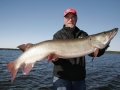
102, 51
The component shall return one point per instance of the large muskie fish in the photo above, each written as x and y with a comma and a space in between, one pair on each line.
53, 49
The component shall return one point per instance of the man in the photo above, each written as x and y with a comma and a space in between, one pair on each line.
70, 74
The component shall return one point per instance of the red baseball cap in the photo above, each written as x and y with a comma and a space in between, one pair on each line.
70, 10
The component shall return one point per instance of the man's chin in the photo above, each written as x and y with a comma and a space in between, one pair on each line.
71, 26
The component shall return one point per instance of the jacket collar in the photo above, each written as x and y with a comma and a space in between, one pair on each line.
72, 30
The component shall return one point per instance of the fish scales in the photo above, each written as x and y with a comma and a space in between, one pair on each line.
53, 49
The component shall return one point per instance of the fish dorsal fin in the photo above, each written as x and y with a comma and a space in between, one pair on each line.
25, 47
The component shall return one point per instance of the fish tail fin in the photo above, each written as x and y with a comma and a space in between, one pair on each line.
26, 68
13, 71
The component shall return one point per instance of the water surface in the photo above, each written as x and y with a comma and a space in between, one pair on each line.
102, 74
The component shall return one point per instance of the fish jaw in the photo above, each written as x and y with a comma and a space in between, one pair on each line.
12, 69
112, 33
101, 40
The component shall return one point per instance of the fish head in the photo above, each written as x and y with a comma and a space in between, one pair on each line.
101, 40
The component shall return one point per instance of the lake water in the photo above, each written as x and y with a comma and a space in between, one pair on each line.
102, 74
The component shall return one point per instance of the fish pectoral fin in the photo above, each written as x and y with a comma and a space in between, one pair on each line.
24, 47
11, 68
95, 53
52, 57
26, 68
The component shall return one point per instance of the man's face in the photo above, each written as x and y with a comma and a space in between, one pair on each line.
70, 20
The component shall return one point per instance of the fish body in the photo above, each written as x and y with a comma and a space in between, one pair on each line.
53, 49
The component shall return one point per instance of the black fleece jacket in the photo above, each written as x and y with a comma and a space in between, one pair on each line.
73, 68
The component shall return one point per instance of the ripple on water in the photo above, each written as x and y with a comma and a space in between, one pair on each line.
102, 74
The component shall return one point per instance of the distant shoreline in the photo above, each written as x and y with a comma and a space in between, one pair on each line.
9, 49
118, 52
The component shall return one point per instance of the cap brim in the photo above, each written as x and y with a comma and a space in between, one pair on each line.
68, 13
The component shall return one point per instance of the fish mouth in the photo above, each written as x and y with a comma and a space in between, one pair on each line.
113, 33
107, 36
